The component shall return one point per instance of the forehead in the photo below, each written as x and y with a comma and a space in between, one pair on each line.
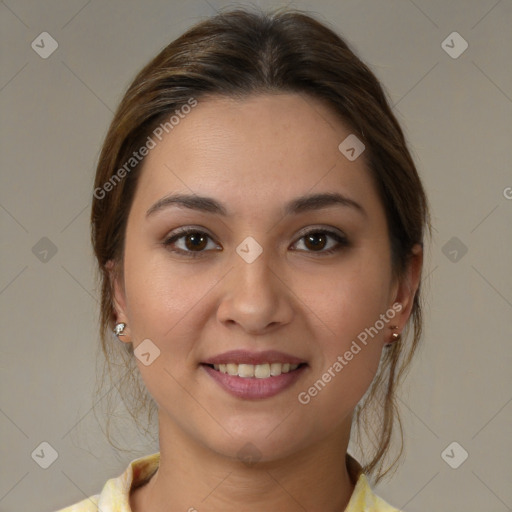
255, 152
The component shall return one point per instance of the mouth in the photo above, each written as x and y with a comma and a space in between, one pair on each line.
257, 371
250, 375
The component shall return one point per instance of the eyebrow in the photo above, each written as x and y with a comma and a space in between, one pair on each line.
298, 205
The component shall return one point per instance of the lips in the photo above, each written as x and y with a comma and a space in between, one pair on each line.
252, 375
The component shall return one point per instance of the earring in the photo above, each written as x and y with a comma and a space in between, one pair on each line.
395, 336
118, 329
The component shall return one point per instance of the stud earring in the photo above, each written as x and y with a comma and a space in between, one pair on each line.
118, 329
395, 336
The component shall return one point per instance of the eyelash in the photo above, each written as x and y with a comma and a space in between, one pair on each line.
341, 240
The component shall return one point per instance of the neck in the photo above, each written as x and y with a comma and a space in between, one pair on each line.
192, 478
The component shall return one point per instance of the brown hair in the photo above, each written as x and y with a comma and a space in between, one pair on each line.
235, 54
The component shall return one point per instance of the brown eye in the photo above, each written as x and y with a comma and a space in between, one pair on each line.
196, 241
190, 242
315, 241
322, 241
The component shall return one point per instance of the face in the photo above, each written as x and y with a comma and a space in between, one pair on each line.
256, 275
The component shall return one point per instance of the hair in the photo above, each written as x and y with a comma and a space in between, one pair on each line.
235, 54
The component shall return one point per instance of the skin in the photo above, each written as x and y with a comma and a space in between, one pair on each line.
255, 155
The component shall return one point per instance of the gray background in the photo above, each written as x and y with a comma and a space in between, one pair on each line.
457, 116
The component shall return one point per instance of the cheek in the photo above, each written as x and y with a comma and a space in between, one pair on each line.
349, 298
161, 295
348, 347
164, 305
348, 304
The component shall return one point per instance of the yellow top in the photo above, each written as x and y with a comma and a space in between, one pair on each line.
115, 496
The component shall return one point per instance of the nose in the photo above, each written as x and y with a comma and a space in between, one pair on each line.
254, 297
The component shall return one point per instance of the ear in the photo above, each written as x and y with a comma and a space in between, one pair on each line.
118, 298
406, 288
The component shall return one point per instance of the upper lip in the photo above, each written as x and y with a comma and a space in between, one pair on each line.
246, 357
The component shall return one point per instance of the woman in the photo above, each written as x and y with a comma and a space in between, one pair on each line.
258, 224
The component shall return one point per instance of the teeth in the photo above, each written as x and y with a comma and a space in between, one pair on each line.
245, 370
262, 371
232, 369
259, 371
275, 369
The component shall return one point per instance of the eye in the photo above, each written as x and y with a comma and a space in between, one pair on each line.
193, 242
317, 240
190, 242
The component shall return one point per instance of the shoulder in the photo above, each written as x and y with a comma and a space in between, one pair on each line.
87, 505
365, 500
115, 495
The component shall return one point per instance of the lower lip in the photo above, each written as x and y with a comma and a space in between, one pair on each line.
253, 388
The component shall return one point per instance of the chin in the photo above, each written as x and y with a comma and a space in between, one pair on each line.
251, 443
